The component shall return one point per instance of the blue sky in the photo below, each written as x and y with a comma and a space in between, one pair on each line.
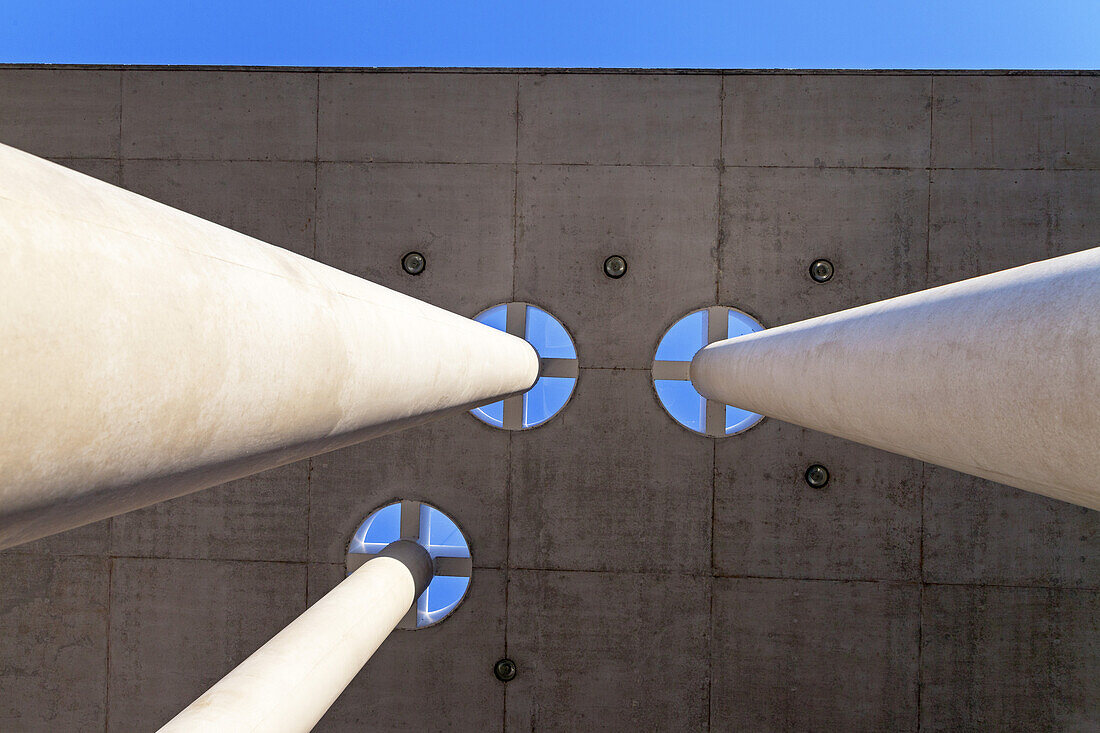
950, 34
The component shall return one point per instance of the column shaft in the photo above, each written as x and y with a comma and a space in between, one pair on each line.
289, 682
146, 353
997, 376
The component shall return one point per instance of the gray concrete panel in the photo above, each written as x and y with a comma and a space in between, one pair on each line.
863, 525
178, 626
459, 217
261, 517
875, 121
438, 678
272, 201
458, 464
663, 220
418, 118
1010, 659
814, 655
871, 224
53, 649
61, 113
619, 119
1016, 122
611, 483
977, 531
214, 114
599, 651
986, 221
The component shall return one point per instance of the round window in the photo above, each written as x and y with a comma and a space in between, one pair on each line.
558, 367
672, 378
435, 532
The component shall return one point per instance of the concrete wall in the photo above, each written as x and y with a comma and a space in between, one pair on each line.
642, 577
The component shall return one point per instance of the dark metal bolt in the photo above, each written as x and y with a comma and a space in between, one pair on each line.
505, 670
817, 476
821, 271
614, 267
413, 263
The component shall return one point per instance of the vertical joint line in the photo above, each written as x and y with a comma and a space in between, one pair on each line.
507, 539
928, 195
316, 159
107, 660
121, 89
515, 196
309, 529
721, 166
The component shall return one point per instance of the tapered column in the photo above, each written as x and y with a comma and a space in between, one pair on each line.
289, 682
146, 353
998, 376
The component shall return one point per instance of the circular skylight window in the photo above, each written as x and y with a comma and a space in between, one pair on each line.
558, 367
672, 378
435, 532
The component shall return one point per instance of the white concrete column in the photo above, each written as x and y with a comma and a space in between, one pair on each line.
146, 353
289, 682
997, 376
